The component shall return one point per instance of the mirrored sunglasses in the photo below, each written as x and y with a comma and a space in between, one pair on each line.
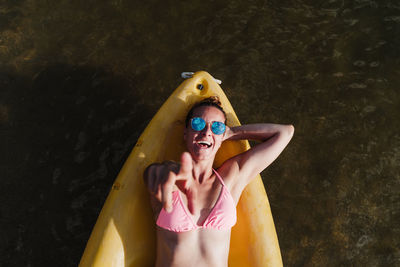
198, 124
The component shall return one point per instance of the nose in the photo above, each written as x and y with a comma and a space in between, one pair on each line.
207, 130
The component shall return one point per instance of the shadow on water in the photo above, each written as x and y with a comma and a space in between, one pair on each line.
64, 150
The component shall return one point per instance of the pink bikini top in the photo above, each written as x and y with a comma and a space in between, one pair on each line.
221, 217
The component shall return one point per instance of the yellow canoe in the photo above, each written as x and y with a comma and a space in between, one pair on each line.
124, 234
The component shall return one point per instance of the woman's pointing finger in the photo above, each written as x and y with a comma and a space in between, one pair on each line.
186, 169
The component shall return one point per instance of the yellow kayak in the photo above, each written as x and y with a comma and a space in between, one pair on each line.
124, 234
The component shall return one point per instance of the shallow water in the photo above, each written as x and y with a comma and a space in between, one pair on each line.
79, 81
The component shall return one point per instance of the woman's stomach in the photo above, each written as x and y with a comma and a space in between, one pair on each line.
200, 247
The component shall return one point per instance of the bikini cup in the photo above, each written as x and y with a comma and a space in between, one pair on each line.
221, 217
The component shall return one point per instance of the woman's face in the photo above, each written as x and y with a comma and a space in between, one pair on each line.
204, 144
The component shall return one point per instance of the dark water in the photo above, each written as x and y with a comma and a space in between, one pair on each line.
79, 81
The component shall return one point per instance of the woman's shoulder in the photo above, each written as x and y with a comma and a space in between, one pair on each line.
228, 172
232, 175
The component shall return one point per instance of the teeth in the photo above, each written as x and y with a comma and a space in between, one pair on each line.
204, 143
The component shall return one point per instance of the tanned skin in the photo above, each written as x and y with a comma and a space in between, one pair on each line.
200, 188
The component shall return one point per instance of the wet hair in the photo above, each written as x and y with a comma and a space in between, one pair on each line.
212, 101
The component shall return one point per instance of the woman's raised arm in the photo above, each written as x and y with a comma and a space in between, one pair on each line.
274, 138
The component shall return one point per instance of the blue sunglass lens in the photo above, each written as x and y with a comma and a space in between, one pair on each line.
198, 124
218, 127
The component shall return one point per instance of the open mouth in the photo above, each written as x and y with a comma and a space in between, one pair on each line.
204, 144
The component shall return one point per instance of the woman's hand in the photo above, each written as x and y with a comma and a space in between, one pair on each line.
161, 179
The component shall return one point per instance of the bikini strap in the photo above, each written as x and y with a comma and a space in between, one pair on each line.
219, 177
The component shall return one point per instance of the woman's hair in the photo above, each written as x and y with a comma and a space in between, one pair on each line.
212, 101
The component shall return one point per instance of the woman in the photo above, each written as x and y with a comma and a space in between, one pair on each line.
195, 205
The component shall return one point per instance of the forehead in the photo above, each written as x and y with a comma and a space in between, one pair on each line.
209, 113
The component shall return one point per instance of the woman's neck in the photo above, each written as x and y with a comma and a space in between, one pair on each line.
202, 170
